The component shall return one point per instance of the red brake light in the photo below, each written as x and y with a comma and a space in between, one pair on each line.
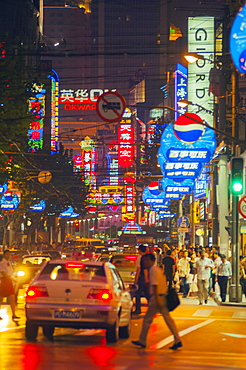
104, 295
74, 265
14, 257
36, 292
131, 257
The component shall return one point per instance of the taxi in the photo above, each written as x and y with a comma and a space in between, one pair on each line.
80, 295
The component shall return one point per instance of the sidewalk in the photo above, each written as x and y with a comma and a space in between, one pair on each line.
212, 302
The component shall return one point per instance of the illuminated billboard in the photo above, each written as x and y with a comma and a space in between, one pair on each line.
201, 41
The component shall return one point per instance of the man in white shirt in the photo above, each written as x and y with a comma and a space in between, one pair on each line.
157, 303
224, 273
203, 267
6, 285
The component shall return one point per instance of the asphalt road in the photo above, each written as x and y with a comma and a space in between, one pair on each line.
214, 337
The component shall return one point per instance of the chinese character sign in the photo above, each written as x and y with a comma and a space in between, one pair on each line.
54, 113
80, 99
125, 144
36, 106
181, 86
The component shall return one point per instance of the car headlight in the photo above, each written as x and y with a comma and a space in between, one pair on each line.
21, 273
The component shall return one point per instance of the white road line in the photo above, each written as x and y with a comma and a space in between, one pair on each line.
235, 335
169, 339
239, 314
202, 313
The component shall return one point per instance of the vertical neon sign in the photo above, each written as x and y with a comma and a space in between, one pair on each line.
36, 107
180, 92
54, 124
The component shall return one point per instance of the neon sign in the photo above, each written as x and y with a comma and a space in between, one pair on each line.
181, 85
89, 161
125, 142
80, 99
54, 112
36, 107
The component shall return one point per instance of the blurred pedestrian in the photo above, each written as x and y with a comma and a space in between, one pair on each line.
203, 266
184, 271
224, 273
141, 279
217, 261
6, 284
169, 266
157, 303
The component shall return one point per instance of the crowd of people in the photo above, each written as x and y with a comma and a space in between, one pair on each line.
194, 271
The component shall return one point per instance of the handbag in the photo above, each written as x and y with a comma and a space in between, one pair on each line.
172, 298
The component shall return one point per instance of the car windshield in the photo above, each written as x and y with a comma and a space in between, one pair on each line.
73, 271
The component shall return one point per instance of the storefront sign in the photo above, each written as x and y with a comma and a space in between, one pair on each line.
36, 106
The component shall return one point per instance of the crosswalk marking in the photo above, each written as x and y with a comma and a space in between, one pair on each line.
239, 314
202, 313
169, 339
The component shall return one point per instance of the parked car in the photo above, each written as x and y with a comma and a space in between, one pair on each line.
126, 265
76, 294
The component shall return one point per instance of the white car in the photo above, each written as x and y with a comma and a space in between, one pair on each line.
78, 294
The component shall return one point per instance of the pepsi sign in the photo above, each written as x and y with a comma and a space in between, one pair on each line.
188, 127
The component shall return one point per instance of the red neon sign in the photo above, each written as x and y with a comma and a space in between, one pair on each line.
126, 147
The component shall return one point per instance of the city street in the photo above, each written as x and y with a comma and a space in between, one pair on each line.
213, 338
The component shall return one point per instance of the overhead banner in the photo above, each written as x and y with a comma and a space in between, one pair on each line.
201, 41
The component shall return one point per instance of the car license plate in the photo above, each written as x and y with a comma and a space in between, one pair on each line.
65, 314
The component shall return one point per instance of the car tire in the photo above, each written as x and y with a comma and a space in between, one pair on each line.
48, 332
112, 333
125, 331
31, 331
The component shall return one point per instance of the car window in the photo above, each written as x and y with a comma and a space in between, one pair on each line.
120, 281
73, 271
35, 260
122, 261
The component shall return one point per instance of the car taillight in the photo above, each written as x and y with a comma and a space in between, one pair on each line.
36, 292
101, 294
131, 257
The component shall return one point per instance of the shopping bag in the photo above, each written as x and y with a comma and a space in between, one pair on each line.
193, 289
173, 300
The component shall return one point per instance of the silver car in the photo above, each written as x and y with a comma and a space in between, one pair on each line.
78, 294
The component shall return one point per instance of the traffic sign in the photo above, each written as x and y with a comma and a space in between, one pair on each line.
110, 106
242, 206
183, 222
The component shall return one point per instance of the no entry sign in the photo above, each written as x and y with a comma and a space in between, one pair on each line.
111, 106
242, 206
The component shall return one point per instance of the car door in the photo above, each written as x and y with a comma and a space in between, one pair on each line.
124, 296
